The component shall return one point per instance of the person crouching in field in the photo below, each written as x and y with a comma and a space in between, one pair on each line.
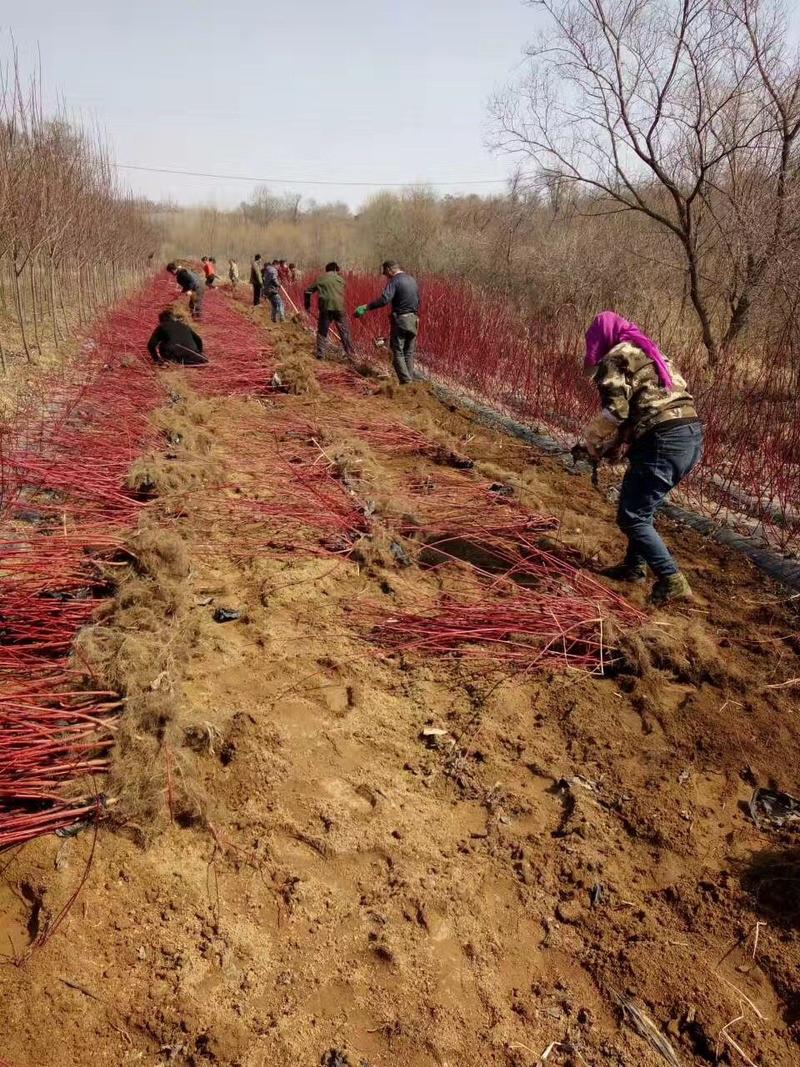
192, 284
647, 406
174, 341
329, 288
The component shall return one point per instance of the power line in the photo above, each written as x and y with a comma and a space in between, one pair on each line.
303, 181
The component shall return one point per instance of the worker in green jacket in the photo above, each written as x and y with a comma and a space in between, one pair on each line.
329, 288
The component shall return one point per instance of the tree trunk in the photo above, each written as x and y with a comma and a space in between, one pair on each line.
699, 305
81, 315
65, 316
739, 317
34, 308
51, 293
21, 316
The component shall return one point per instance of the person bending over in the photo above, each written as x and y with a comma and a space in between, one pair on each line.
402, 293
174, 341
192, 284
329, 288
646, 406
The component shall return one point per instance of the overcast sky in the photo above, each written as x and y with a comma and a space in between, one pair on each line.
356, 90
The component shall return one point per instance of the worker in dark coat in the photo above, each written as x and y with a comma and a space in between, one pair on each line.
255, 278
402, 294
174, 341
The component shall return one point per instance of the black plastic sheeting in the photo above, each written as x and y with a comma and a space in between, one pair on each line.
783, 570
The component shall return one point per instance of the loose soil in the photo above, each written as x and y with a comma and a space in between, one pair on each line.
294, 873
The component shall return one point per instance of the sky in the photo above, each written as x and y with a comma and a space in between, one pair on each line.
386, 91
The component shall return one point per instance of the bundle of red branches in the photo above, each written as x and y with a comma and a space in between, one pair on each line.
240, 361
447, 504
529, 608
302, 505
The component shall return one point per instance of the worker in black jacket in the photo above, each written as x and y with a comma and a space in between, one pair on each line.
402, 293
192, 284
256, 278
174, 341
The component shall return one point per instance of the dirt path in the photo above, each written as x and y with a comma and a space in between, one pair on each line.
298, 874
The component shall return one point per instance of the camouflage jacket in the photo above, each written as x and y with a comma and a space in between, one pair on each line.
632, 394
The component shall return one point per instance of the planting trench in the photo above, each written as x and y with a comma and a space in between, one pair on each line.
333, 825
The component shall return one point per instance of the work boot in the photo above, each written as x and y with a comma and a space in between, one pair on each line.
675, 587
625, 572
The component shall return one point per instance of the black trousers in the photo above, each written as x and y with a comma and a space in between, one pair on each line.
324, 324
256, 293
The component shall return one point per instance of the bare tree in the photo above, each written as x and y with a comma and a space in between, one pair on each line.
684, 111
69, 238
265, 207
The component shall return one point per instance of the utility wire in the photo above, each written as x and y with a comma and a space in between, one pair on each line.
302, 181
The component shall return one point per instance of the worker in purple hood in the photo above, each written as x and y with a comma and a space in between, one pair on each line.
646, 407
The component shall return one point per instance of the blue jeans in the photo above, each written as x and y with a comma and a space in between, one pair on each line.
658, 462
276, 303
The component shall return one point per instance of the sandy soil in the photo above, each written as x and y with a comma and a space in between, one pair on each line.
294, 874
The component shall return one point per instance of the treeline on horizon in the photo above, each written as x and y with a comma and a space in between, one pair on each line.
551, 253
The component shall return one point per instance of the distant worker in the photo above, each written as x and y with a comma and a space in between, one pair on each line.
329, 288
402, 293
210, 270
233, 273
647, 407
272, 291
192, 284
174, 341
255, 278
283, 271
294, 273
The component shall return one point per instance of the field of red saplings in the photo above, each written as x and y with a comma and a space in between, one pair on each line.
532, 371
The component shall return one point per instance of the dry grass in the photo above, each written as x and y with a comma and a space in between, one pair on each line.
684, 650
297, 377
136, 649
